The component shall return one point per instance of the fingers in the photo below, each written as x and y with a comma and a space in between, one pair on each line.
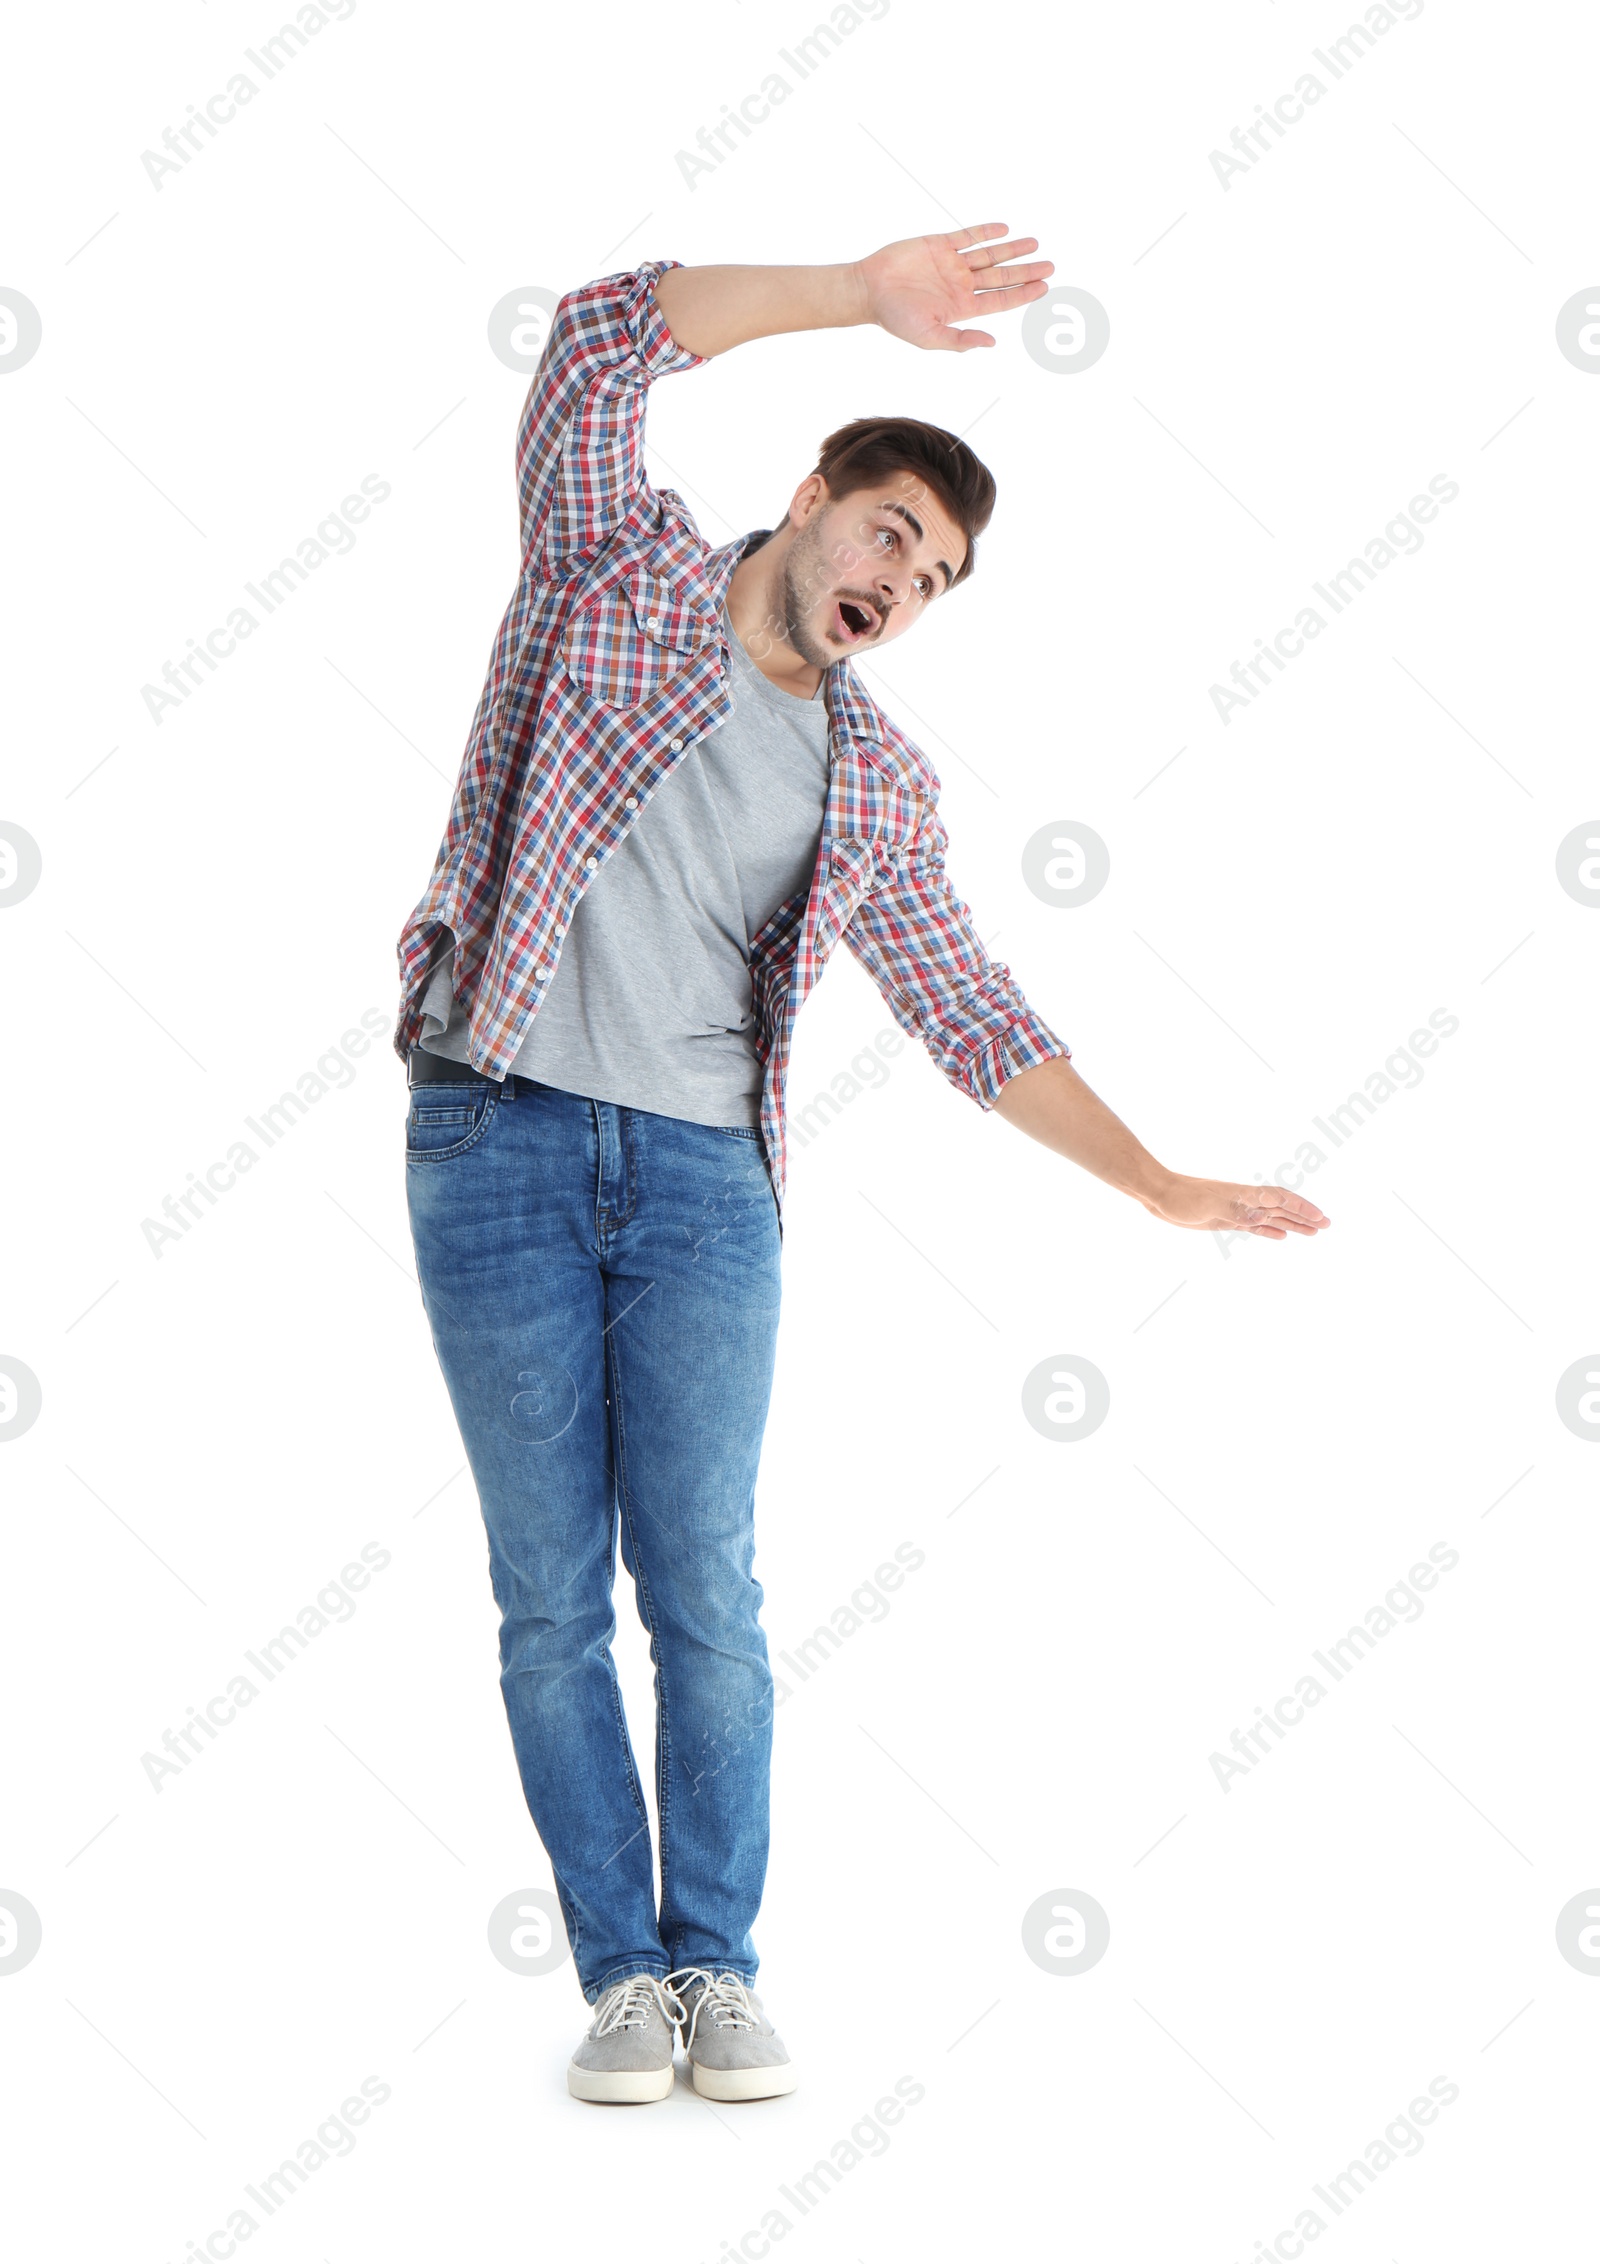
962, 239
1299, 1206
1297, 1211
1276, 1204
1268, 1214
1002, 278
1275, 1224
994, 255
1020, 294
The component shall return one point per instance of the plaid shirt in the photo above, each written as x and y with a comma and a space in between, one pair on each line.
608, 665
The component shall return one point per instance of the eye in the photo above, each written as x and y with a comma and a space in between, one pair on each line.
925, 585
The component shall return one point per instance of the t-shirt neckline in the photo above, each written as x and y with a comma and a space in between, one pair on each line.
816, 698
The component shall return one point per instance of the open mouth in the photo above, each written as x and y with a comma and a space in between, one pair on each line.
853, 621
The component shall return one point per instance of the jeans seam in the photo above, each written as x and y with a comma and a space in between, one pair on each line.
630, 1173
619, 1715
624, 1742
599, 1176
658, 1649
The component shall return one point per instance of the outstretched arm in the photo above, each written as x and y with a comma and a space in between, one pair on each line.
918, 290
1052, 1104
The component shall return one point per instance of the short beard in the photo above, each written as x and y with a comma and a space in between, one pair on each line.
801, 582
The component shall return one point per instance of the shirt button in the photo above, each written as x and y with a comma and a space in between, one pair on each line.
593, 864
561, 931
632, 802
676, 744
652, 626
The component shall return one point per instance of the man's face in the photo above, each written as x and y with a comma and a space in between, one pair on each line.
863, 567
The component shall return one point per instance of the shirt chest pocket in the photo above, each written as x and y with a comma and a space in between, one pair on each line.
626, 645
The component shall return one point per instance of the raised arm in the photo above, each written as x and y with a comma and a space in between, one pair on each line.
580, 439
919, 289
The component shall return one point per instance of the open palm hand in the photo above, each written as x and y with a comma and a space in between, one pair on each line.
922, 288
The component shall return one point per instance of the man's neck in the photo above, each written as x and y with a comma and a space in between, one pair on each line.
756, 609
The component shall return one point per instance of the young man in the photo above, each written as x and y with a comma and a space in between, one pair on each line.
677, 799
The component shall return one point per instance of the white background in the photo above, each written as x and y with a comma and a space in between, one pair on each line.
223, 358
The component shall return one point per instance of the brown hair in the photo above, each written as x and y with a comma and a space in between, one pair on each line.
865, 451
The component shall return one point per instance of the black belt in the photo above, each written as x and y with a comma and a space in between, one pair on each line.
437, 1069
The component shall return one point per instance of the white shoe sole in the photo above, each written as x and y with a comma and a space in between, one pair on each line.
745, 2082
619, 2087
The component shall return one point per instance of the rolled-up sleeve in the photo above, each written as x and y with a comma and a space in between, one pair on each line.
580, 439
915, 938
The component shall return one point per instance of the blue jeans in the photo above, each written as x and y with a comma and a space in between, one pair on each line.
602, 1285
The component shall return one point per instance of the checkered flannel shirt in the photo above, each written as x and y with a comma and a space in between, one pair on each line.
609, 664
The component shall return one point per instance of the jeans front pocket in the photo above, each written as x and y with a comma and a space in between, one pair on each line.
446, 1120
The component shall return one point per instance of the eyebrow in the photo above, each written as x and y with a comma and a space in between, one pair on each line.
915, 524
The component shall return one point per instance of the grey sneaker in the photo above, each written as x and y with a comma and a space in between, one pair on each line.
626, 2058
732, 2049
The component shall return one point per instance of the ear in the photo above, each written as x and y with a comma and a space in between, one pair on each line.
809, 497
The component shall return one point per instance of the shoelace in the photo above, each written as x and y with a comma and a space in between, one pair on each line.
724, 1993
630, 2002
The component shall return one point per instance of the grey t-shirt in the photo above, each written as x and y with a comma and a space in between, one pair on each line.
650, 1005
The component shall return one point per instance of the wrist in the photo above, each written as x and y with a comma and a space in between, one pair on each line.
1149, 1182
849, 295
